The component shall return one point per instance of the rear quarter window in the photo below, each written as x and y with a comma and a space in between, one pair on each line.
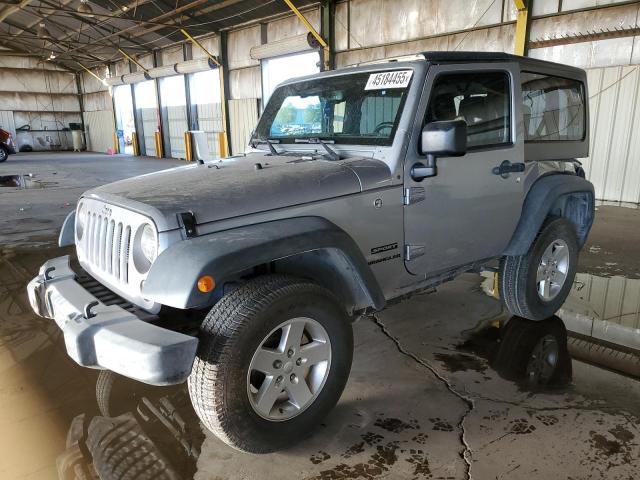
553, 108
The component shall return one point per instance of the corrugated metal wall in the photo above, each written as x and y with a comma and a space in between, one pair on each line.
177, 117
99, 130
243, 116
210, 121
149, 127
614, 161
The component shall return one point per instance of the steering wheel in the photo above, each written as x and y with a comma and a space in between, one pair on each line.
382, 126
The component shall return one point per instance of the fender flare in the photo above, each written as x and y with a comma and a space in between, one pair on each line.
67, 233
560, 195
173, 277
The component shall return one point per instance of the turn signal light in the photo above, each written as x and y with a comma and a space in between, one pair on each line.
206, 284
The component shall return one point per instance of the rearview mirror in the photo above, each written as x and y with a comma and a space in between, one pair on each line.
440, 139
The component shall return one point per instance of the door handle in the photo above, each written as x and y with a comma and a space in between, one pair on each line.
506, 167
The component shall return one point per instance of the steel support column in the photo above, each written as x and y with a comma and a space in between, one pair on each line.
224, 87
522, 26
328, 27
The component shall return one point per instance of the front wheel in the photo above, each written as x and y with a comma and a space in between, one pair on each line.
273, 359
3, 154
536, 284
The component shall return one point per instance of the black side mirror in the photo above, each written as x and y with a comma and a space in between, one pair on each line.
440, 139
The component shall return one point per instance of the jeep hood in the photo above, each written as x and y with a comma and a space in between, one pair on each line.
238, 187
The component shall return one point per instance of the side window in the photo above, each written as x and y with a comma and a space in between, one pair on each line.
482, 99
553, 108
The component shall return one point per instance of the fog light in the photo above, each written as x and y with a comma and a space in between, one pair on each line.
206, 284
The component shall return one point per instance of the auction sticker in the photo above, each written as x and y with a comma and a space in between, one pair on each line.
394, 79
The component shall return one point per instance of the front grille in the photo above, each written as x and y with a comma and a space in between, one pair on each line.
108, 244
105, 249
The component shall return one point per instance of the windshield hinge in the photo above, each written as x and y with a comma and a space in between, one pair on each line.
188, 223
413, 195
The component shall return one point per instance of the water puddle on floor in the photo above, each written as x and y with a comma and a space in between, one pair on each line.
602, 317
23, 181
64, 421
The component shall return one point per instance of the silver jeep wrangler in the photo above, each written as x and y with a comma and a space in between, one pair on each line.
363, 185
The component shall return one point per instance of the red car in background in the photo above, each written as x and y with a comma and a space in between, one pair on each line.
6, 145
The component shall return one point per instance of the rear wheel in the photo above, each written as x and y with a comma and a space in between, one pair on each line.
273, 359
536, 284
3, 154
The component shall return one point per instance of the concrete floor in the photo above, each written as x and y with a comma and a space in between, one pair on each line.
423, 400
30, 215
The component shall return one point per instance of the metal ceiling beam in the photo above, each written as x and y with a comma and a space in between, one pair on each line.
30, 43
100, 29
164, 16
326, 53
73, 13
130, 7
10, 10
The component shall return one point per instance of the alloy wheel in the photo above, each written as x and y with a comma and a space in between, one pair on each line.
289, 369
552, 270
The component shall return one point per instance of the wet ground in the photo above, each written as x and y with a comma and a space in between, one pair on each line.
30, 213
435, 392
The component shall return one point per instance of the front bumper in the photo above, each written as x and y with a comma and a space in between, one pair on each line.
101, 336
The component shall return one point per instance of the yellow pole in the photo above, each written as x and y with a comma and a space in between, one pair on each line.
134, 143
158, 139
101, 80
222, 145
128, 57
521, 27
223, 102
187, 147
314, 32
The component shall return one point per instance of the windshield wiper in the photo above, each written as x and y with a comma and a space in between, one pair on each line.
269, 143
332, 154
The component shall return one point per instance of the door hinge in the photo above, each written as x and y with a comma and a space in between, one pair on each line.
413, 251
413, 195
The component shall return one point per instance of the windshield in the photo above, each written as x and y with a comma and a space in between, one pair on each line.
357, 109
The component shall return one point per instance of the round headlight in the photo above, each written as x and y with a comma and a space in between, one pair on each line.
80, 220
149, 243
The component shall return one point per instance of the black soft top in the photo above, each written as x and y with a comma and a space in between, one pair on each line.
526, 63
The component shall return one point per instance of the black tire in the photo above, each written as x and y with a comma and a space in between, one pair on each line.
4, 154
231, 333
104, 386
520, 341
122, 451
517, 277
75, 463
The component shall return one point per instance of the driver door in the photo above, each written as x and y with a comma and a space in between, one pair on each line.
466, 212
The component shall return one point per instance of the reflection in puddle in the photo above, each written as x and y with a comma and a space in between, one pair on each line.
602, 316
147, 432
604, 308
532, 354
78, 426
23, 182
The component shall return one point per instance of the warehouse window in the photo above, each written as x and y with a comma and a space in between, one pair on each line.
278, 69
174, 110
553, 108
206, 106
481, 99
